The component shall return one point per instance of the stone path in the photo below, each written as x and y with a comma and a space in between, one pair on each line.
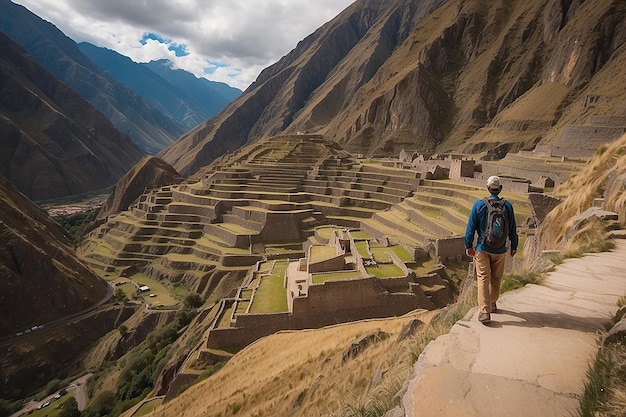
532, 359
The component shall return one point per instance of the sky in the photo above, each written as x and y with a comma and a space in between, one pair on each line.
230, 41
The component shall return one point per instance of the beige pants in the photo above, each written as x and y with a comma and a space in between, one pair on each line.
489, 271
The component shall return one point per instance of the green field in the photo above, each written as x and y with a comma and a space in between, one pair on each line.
361, 246
380, 254
322, 253
162, 295
271, 296
225, 319
385, 271
326, 232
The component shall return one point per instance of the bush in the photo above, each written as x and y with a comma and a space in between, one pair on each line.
193, 301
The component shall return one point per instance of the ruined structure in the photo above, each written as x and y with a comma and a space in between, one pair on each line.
357, 278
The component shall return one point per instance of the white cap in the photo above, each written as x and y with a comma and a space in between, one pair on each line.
493, 183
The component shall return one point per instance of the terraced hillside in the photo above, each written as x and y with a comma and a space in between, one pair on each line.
437, 209
265, 202
260, 203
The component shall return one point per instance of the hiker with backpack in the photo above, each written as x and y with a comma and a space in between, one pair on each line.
493, 219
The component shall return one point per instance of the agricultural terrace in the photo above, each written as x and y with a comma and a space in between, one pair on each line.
270, 295
321, 253
385, 271
159, 295
326, 232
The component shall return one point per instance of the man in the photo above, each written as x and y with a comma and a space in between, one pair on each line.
489, 260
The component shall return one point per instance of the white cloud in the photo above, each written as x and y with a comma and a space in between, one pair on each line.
243, 36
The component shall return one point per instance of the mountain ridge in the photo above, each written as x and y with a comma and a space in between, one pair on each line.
427, 76
178, 94
54, 143
149, 128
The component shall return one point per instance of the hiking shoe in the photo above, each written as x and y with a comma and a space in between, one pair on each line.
484, 317
494, 308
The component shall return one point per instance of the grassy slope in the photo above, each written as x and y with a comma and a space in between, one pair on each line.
296, 373
580, 191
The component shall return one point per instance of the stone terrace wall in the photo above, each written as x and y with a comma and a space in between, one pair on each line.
356, 297
359, 299
508, 185
337, 263
449, 248
261, 325
541, 205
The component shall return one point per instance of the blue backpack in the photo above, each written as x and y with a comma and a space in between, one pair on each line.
497, 227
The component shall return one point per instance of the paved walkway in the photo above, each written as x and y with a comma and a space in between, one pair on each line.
532, 359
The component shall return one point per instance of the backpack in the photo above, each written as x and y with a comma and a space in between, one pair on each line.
497, 228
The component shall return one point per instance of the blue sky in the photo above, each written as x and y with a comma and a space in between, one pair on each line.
230, 41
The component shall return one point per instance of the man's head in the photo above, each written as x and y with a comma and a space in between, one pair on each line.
494, 185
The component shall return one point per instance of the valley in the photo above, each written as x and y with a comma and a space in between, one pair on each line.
291, 249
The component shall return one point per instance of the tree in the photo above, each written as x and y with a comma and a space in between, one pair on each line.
70, 408
123, 329
121, 296
102, 405
193, 301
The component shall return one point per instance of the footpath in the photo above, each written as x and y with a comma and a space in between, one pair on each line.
532, 359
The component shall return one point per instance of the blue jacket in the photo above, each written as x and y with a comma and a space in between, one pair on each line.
477, 223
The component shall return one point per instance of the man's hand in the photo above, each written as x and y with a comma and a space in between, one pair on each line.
513, 252
471, 252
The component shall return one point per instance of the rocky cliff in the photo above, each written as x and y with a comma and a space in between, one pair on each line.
53, 142
431, 75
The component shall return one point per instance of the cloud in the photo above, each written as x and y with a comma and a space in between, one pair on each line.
178, 49
224, 40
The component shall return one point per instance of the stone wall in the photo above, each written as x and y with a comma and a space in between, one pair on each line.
509, 185
336, 263
541, 205
262, 325
449, 248
462, 168
329, 303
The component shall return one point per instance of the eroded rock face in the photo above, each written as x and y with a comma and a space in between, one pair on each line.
614, 195
616, 334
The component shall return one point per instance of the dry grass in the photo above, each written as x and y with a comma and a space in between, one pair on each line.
605, 393
297, 373
582, 188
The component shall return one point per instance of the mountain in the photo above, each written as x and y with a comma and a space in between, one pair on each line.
188, 82
42, 279
432, 75
150, 172
149, 128
53, 143
180, 95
